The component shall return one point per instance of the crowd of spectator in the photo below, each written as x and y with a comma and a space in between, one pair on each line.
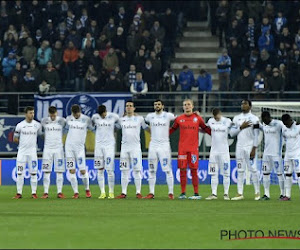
87, 45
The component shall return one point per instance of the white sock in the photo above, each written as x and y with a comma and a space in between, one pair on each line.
74, 182
86, 180
240, 183
33, 182
59, 182
226, 184
170, 181
281, 184
255, 182
111, 180
20, 183
101, 181
152, 181
299, 182
214, 183
288, 186
266, 181
46, 182
137, 181
124, 180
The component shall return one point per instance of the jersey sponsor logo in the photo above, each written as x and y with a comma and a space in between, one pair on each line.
87, 103
158, 124
194, 158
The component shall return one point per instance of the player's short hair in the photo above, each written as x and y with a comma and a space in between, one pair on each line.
52, 110
28, 108
75, 108
131, 101
158, 100
189, 100
101, 109
265, 114
216, 111
247, 100
286, 117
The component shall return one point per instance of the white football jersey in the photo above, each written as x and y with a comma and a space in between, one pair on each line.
105, 128
77, 129
248, 136
160, 124
53, 132
219, 135
292, 141
27, 134
272, 137
131, 129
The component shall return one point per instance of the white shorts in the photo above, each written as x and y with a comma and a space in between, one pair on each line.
29, 160
73, 156
243, 159
219, 161
270, 162
161, 153
291, 165
104, 157
131, 158
55, 156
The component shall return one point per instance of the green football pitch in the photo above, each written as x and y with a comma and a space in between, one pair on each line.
136, 224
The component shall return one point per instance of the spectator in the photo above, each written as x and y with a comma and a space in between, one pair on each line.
286, 38
150, 76
170, 81
169, 23
121, 19
75, 38
37, 40
57, 59
156, 62
51, 76
139, 87
259, 83
293, 67
92, 79
158, 32
110, 61
88, 37
132, 44
276, 82
18, 71
130, 77
139, 60
251, 35
266, 40
69, 58
234, 31
245, 82
29, 52
136, 25
222, 17
81, 66
110, 29
70, 19
120, 78
297, 39
282, 54
96, 61
93, 29
44, 88
35, 72
11, 30
112, 83
29, 83
44, 54
204, 83
236, 54
13, 86
265, 59
119, 41
8, 64
186, 80
224, 68
279, 23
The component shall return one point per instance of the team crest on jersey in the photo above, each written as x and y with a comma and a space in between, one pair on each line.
60, 162
87, 103
195, 119
108, 160
33, 164
135, 161
165, 162
80, 160
225, 166
194, 159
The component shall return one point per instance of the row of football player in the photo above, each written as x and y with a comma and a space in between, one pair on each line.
245, 126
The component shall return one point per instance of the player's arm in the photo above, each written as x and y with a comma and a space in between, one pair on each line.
236, 129
255, 141
17, 134
203, 126
174, 127
144, 125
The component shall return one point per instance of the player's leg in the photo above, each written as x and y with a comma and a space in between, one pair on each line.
241, 166
81, 163
110, 170
213, 170
152, 168
136, 163
182, 165
288, 171
125, 170
277, 165
59, 169
164, 155
193, 164
99, 165
225, 171
47, 163
297, 170
33, 168
252, 165
71, 168
267, 166
20, 165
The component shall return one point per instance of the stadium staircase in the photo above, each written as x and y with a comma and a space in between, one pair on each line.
198, 49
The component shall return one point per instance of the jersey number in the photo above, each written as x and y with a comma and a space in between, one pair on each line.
45, 166
212, 169
69, 164
286, 168
264, 168
20, 168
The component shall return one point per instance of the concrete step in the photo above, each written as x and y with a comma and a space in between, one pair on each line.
197, 24
194, 60
197, 34
193, 29
199, 50
203, 55
199, 39
213, 73
208, 66
198, 44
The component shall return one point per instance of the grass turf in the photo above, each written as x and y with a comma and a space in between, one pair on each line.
135, 224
